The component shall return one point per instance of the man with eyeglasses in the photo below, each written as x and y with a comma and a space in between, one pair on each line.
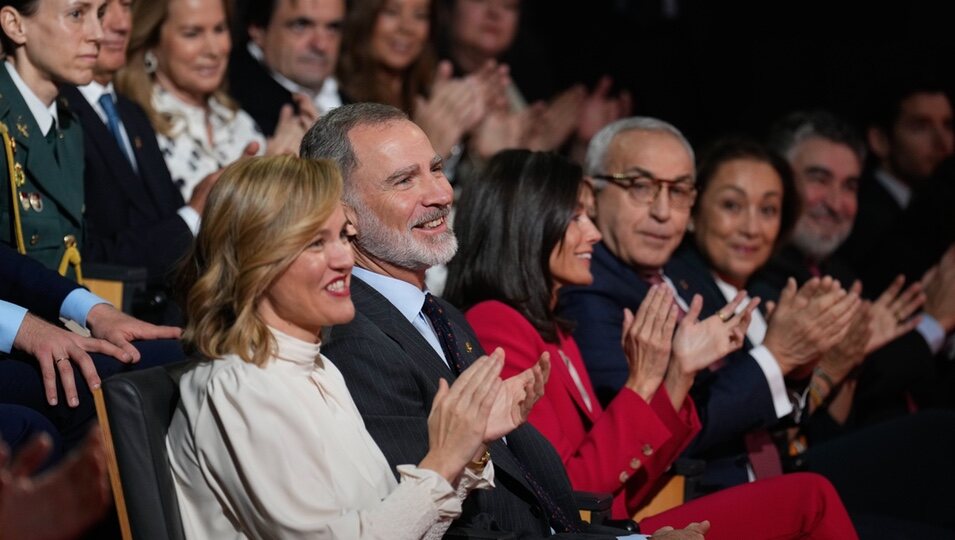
642, 174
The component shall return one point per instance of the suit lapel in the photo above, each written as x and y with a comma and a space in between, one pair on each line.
106, 145
389, 320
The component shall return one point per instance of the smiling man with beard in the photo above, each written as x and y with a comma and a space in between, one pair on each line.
826, 155
403, 340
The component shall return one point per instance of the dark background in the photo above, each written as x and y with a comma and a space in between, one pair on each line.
734, 66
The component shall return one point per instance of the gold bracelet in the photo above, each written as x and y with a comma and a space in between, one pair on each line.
477, 465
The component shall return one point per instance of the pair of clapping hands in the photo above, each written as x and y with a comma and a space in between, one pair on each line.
659, 350
477, 409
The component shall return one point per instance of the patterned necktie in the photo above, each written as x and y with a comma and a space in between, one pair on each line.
442, 327
656, 278
113, 123
449, 344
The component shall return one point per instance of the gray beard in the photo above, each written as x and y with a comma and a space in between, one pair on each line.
817, 247
401, 248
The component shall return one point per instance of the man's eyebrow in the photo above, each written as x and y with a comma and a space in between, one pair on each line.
436, 160
818, 170
404, 171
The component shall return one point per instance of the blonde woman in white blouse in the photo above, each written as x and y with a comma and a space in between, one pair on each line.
176, 71
266, 441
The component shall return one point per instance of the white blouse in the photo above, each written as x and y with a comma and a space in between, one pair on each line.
281, 451
188, 153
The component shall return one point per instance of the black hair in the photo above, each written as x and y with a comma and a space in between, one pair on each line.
887, 106
508, 223
735, 147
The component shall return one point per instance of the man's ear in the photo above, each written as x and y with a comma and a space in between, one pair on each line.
11, 22
350, 216
878, 142
257, 35
589, 196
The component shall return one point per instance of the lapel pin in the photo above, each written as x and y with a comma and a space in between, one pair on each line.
468, 347
684, 285
22, 128
25, 201
138, 143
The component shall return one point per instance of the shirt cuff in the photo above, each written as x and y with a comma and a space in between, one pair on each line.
774, 377
11, 317
77, 305
933, 332
191, 217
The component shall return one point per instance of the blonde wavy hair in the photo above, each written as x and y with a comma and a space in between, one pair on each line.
135, 82
261, 215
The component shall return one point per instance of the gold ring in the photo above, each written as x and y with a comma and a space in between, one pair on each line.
58, 360
724, 316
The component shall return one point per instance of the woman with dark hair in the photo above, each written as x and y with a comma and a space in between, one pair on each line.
746, 206
523, 233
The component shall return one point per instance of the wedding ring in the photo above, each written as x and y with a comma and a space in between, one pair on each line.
724, 316
58, 360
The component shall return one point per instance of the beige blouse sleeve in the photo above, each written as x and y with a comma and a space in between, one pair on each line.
260, 459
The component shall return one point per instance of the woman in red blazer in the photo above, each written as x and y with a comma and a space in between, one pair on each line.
523, 233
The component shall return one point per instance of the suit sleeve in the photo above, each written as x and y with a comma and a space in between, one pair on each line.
393, 405
731, 401
620, 449
27, 283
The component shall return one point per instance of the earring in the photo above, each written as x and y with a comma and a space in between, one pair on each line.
150, 62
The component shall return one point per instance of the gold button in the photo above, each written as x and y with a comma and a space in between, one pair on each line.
69, 240
634, 463
34, 239
624, 477
647, 450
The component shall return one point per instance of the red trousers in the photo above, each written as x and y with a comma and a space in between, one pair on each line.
800, 505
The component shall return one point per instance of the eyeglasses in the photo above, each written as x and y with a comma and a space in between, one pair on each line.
643, 187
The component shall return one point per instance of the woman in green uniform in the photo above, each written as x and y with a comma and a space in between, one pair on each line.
45, 43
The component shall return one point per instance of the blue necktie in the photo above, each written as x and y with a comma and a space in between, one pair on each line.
113, 122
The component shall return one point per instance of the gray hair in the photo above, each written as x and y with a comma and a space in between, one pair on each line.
797, 127
328, 137
599, 145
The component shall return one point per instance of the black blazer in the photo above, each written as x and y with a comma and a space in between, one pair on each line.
903, 366
251, 84
131, 219
392, 374
27, 283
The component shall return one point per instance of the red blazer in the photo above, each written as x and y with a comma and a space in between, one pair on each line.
623, 449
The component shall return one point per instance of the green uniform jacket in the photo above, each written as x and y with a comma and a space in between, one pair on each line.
51, 200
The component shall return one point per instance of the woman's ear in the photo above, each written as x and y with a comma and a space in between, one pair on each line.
11, 22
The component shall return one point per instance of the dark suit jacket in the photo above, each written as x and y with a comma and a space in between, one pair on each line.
251, 84
27, 283
878, 216
131, 218
730, 401
905, 365
392, 374
53, 174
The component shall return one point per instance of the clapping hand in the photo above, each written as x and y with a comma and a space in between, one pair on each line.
646, 340
891, 314
459, 416
697, 344
516, 398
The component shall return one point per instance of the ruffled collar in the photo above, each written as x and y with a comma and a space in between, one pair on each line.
297, 352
